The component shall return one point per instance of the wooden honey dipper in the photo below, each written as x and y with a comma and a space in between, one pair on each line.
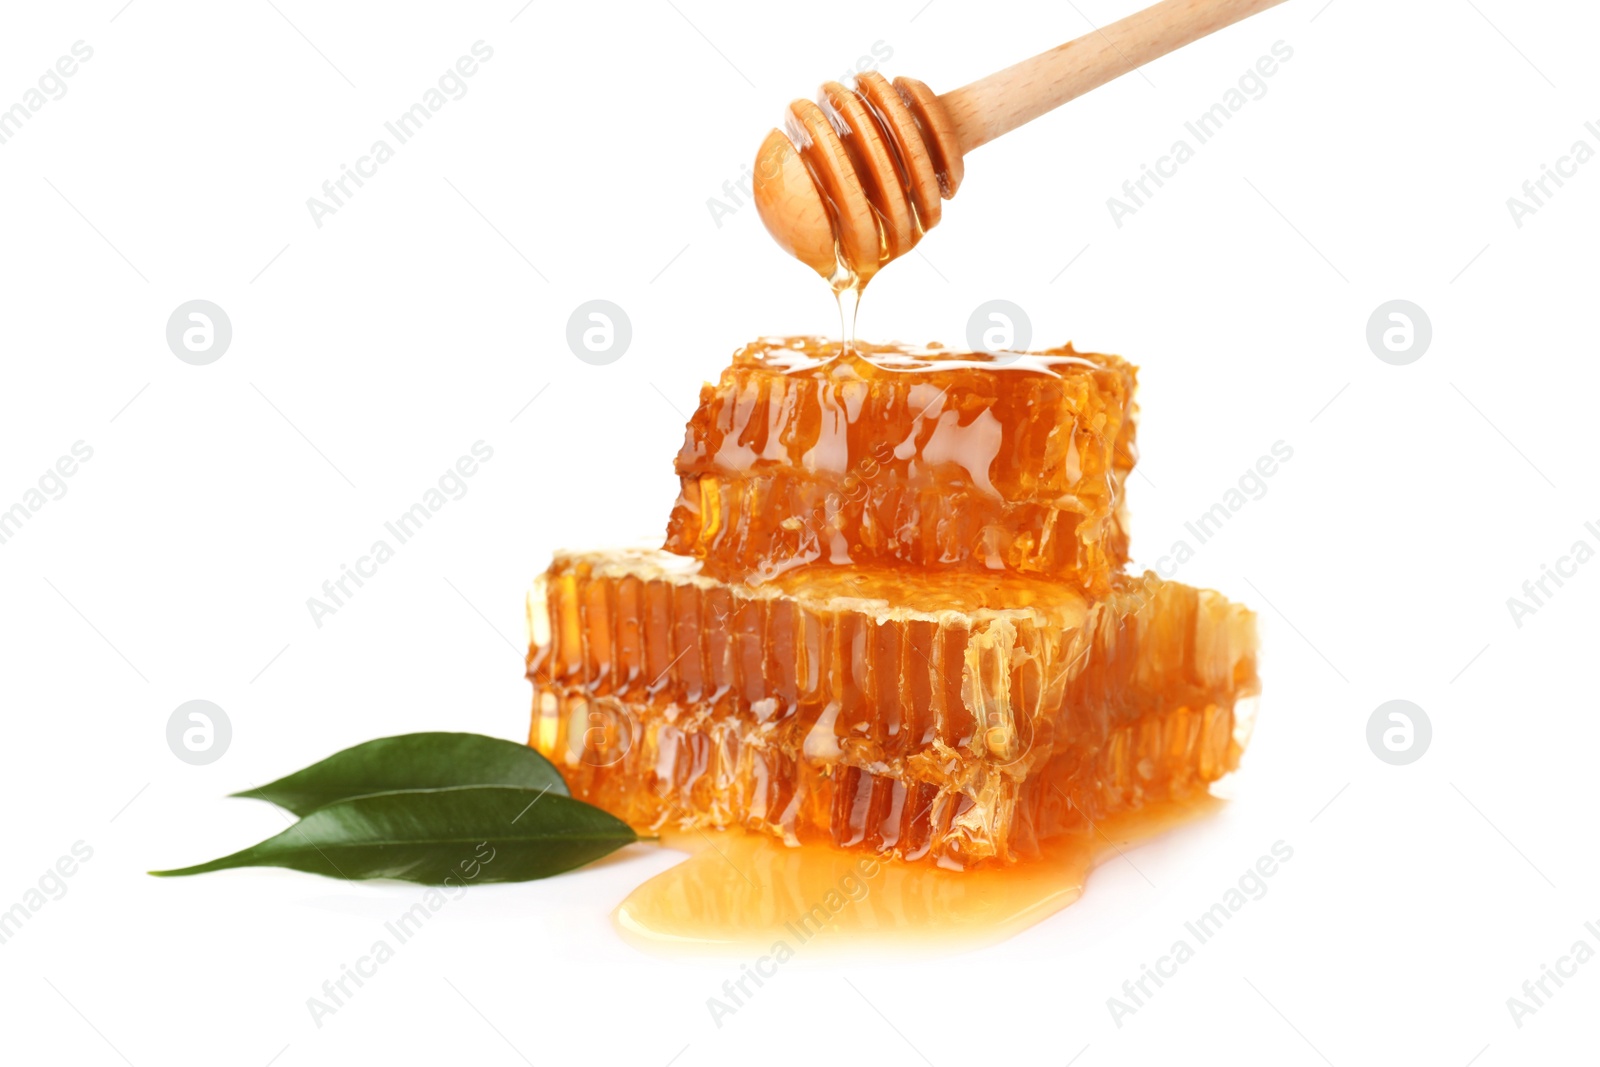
857, 178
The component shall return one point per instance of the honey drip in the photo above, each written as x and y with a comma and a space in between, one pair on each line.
849, 301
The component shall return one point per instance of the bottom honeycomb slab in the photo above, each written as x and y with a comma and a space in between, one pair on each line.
960, 720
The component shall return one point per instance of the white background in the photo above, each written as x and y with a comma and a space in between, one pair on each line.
423, 316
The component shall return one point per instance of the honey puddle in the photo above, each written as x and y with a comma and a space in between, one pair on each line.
740, 891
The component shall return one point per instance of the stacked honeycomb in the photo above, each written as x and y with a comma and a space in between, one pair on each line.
891, 615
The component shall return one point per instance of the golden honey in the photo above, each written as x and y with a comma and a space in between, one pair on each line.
747, 893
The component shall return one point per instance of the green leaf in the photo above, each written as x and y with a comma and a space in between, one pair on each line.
461, 836
411, 761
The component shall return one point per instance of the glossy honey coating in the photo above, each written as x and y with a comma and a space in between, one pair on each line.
805, 453
952, 717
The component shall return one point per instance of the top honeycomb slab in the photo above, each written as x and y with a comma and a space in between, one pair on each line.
892, 456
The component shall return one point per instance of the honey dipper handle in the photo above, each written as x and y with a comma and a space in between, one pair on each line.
990, 106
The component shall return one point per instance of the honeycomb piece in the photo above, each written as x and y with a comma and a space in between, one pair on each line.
890, 456
947, 716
